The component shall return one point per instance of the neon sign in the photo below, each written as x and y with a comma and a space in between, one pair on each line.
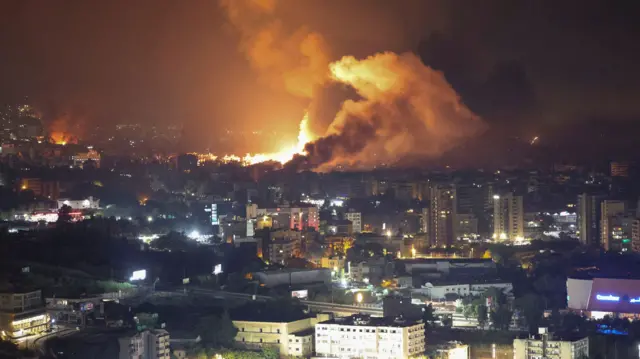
608, 298
634, 300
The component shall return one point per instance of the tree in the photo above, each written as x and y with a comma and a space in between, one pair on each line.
482, 314
498, 298
270, 353
446, 321
468, 311
173, 241
501, 317
147, 320
64, 214
531, 307
217, 331
428, 314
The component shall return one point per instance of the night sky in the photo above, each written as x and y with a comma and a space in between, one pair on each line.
527, 67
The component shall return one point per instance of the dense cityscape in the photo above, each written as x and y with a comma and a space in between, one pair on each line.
416, 223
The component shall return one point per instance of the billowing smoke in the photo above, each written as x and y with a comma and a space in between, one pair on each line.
65, 129
405, 109
295, 60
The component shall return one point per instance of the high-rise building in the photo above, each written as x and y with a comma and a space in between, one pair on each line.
508, 217
635, 235
466, 226
442, 214
619, 237
361, 336
356, 220
589, 218
22, 314
609, 209
424, 221
546, 345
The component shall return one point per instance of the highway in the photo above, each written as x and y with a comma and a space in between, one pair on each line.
342, 309
338, 309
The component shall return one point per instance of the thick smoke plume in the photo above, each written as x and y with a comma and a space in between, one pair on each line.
405, 109
294, 60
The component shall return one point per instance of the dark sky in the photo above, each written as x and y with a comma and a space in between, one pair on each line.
530, 66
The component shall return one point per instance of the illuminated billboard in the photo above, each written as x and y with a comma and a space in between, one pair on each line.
138, 275
300, 294
609, 295
217, 269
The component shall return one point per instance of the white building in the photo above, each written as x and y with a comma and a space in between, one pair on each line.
294, 338
361, 336
508, 218
149, 344
87, 203
438, 290
356, 221
546, 345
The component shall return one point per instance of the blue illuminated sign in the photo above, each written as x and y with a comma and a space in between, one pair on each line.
634, 300
608, 298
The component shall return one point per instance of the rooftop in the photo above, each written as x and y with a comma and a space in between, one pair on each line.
452, 260
562, 337
464, 281
292, 270
366, 320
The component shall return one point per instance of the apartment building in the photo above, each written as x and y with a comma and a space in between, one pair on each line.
546, 345
356, 221
361, 336
508, 218
291, 338
22, 314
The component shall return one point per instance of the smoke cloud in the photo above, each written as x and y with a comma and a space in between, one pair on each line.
296, 61
403, 108
407, 110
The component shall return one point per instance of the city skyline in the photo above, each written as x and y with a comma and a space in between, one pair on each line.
168, 63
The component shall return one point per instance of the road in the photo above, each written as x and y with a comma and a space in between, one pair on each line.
35, 342
343, 309
339, 309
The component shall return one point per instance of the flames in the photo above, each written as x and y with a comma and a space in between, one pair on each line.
405, 109
283, 156
61, 130
61, 138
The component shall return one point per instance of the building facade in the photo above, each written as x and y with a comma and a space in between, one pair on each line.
635, 235
148, 344
87, 203
442, 213
362, 336
438, 290
508, 218
588, 218
545, 345
356, 221
22, 314
609, 209
293, 338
